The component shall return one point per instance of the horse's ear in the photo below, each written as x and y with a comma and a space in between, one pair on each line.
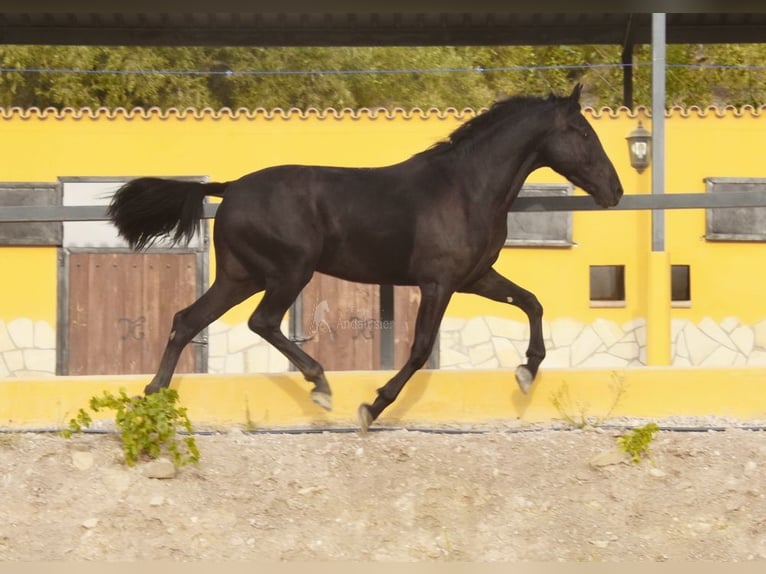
575, 95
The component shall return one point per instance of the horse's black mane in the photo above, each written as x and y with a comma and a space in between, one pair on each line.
499, 111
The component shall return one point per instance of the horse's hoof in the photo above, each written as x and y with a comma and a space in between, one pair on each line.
151, 389
322, 399
365, 418
524, 378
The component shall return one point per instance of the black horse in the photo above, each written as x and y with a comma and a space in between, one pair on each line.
436, 220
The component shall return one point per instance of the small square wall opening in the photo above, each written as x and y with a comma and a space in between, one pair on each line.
607, 285
680, 285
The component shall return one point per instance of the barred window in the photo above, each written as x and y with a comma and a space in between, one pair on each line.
735, 223
541, 228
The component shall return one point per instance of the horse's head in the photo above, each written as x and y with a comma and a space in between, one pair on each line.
573, 150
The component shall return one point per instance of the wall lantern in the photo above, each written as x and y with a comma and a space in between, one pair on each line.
639, 147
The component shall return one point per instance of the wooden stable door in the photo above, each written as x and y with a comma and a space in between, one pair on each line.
121, 307
340, 323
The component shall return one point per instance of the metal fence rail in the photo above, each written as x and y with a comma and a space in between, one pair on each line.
729, 199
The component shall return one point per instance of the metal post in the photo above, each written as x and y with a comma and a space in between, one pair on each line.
627, 76
387, 327
627, 64
658, 127
658, 340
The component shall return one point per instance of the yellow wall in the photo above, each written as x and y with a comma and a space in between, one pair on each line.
44, 146
28, 286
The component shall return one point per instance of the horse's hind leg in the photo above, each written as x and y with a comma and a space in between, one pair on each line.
266, 321
494, 286
221, 296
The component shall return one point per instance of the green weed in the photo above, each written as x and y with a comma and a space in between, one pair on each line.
575, 413
637, 442
147, 425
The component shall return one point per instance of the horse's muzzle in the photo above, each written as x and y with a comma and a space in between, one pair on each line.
611, 200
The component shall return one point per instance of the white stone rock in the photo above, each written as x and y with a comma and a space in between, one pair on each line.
547, 332
257, 359
4, 372
701, 527
239, 338
216, 364
729, 324
33, 374
449, 338
117, 479
491, 363
521, 347
640, 332
715, 332
759, 329
681, 362
633, 324
506, 353
450, 358
507, 328
457, 367
681, 348
161, 468
603, 360
609, 458
676, 327
235, 364
587, 344
40, 360
278, 363
481, 353
699, 344
740, 361
45, 336
90, 523
452, 324
217, 327
14, 360
629, 337
6, 344
720, 357
558, 358
627, 351
217, 344
82, 460
474, 332
609, 332
22, 333
756, 359
565, 331
744, 339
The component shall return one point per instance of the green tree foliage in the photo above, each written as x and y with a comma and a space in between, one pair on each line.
446, 76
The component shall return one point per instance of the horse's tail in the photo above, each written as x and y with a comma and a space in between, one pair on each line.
148, 208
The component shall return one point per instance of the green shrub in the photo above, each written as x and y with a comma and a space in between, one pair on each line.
637, 442
147, 425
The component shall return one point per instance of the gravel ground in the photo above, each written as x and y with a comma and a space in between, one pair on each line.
482, 494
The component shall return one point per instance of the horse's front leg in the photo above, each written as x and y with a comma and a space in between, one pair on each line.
433, 303
494, 286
